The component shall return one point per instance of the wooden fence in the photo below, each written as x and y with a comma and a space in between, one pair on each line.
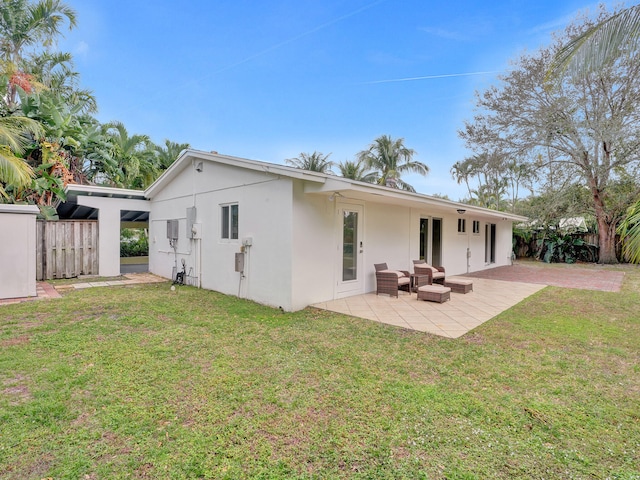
66, 248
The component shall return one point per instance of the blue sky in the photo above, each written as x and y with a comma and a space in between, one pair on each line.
268, 80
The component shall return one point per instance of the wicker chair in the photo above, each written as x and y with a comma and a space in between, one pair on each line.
390, 281
422, 269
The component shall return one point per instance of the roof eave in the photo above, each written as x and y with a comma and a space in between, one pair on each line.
191, 155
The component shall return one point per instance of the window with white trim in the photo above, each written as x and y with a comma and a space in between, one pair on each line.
476, 227
229, 222
462, 225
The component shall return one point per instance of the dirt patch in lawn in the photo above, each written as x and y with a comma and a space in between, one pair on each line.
16, 390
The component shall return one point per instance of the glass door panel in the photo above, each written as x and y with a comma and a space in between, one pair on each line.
349, 246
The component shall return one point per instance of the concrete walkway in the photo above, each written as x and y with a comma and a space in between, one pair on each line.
451, 319
45, 290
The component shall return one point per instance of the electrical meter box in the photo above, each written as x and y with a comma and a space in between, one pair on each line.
240, 262
172, 229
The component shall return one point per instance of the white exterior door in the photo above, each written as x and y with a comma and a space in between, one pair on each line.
350, 254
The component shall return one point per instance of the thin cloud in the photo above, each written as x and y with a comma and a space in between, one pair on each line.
446, 34
561, 22
429, 77
551, 25
279, 45
82, 48
298, 37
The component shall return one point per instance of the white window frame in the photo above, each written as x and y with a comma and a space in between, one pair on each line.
226, 224
462, 225
476, 227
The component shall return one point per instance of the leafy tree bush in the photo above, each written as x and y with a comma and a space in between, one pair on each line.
134, 242
559, 248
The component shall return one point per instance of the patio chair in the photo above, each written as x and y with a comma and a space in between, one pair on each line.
433, 274
390, 281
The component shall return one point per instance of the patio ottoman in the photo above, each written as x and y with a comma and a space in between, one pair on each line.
459, 285
434, 293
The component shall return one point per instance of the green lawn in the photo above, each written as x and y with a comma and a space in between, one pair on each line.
142, 382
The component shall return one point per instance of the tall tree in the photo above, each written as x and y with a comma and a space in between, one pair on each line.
390, 159
24, 24
356, 170
135, 163
316, 162
585, 126
55, 73
493, 176
463, 171
169, 152
600, 45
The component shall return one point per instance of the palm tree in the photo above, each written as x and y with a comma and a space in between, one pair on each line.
22, 25
357, 171
390, 159
55, 73
168, 153
316, 162
16, 133
629, 231
599, 45
135, 163
462, 171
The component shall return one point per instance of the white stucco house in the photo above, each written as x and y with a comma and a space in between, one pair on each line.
290, 238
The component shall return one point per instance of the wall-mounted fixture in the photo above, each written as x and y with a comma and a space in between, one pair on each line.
172, 229
239, 263
461, 211
191, 219
333, 196
199, 166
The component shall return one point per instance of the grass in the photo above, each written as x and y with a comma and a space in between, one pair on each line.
142, 382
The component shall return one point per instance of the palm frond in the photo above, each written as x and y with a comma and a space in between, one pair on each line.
315, 162
16, 131
599, 45
14, 170
629, 231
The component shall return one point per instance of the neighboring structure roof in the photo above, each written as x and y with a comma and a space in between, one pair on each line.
70, 209
568, 224
326, 184
576, 224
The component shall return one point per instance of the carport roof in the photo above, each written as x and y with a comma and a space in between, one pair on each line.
70, 210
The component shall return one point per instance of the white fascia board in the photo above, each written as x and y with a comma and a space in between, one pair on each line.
188, 157
362, 190
90, 190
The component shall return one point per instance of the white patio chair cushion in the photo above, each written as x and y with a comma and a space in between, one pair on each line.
400, 274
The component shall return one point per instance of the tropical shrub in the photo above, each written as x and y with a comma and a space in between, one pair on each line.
134, 242
559, 248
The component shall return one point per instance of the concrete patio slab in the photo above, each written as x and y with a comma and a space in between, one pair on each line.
591, 277
451, 319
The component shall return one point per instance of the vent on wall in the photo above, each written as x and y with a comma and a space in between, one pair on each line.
172, 229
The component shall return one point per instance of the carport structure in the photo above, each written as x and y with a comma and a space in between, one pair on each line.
114, 208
